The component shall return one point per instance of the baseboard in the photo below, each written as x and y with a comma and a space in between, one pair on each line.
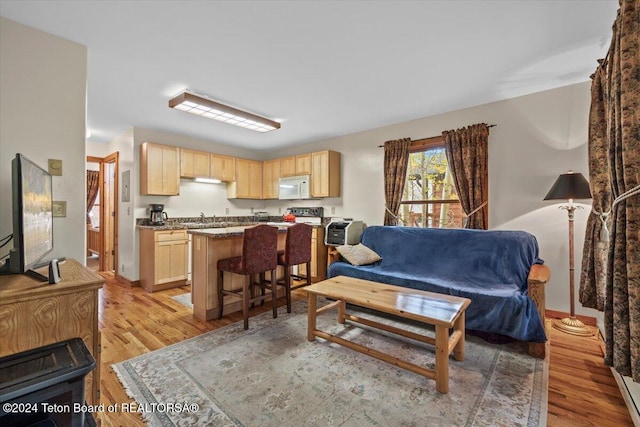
125, 281
634, 411
554, 314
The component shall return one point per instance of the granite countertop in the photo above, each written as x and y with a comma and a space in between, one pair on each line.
234, 231
211, 226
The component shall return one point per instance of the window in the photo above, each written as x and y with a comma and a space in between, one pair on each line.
94, 213
430, 198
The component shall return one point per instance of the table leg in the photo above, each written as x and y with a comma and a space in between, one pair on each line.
442, 359
342, 308
458, 350
311, 324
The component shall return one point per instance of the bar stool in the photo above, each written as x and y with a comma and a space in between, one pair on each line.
259, 255
297, 251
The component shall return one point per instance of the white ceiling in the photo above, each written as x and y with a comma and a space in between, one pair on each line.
322, 69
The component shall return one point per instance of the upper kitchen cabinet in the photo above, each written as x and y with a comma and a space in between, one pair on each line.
159, 169
296, 165
223, 167
271, 179
248, 181
194, 164
303, 164
325, 174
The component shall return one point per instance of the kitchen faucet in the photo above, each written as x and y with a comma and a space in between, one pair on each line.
201, 216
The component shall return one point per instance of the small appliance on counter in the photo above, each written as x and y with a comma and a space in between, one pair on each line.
343, 231
261, 216
157, 214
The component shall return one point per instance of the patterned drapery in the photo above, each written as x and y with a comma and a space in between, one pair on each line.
396, 161
620, 73
93, 185
594, 258
467, 156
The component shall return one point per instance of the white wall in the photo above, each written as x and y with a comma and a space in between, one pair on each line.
43, 81
537, 137
193, 199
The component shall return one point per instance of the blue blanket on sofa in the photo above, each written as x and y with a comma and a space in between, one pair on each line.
488, 267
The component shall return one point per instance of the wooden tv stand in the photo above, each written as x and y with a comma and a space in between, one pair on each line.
34, 314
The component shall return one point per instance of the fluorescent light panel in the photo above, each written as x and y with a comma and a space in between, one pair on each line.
207, 180
204, 107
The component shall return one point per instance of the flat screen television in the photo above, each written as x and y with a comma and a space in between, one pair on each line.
32, 216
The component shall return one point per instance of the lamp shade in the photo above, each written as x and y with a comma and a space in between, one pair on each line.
569, 185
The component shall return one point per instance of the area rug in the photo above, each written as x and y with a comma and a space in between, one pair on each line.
184, 299
271, 375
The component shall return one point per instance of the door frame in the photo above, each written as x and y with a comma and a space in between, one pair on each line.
102, 161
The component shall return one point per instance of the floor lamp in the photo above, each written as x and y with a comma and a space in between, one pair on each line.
570, 186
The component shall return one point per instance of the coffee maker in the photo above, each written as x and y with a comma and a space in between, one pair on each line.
157, 215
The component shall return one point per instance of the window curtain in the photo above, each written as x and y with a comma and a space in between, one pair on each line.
620, 75
93, 185
396, 161
467, 155
594, 259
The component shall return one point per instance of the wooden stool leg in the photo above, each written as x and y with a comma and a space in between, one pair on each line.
308, 273
262, 280
311, 322
220, 294
245, 301
274, 294
287, 287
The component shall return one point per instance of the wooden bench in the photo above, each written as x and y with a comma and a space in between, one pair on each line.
443, 311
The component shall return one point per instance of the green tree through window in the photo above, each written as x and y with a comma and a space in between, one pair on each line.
430, 198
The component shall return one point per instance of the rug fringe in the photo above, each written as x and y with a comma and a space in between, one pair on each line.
145, 416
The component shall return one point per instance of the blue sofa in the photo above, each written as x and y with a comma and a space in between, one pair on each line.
492, 268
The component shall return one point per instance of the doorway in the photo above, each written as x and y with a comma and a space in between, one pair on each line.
102, 215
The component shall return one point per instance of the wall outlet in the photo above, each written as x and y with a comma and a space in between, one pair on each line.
226, 211
251, 210
279, 210
122, 269
333, 210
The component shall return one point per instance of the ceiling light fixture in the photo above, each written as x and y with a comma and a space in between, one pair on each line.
201, 106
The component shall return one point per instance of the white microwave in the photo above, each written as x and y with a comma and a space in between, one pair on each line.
294, 187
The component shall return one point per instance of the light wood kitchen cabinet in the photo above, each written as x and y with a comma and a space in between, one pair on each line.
303, 164
163, 259
194, 164
248, 182
271, 179
288, 166
318, 256
223, 167
34, 314
325, 174
296, 165
159, 169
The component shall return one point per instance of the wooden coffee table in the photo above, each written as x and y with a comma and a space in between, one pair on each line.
443, 311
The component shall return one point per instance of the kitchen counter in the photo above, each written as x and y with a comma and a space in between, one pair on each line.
231, 228
235, 231
208, 246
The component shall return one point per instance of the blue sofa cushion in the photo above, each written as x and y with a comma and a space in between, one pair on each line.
488, 267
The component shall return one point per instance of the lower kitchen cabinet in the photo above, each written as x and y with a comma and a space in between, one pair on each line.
163, 259
318, 256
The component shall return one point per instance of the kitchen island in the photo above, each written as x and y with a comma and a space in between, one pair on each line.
209, 245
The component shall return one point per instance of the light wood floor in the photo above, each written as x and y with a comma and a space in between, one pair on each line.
582, 391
